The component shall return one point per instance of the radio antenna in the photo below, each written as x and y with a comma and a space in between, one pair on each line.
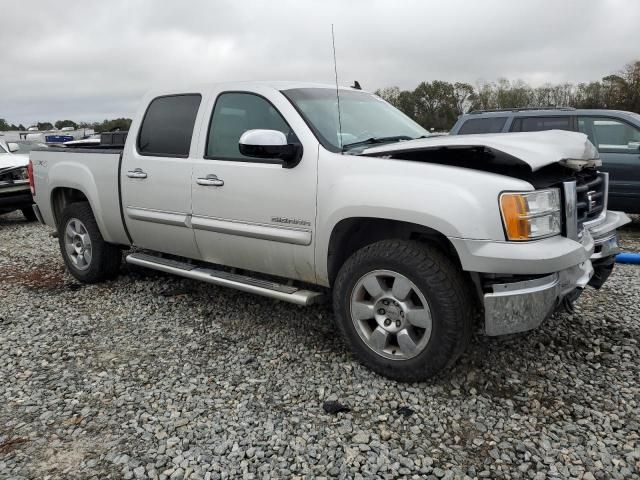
335, 69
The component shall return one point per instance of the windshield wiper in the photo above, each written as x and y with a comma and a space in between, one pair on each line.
374, 141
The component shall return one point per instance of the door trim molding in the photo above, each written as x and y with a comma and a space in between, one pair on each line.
295, 236
176, 219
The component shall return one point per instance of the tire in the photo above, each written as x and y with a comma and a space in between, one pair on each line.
432, 311
29, 214
102, 262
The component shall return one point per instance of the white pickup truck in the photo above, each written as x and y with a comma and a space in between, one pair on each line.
263, 187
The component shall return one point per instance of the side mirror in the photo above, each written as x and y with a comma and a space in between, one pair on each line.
270, 144
13, 147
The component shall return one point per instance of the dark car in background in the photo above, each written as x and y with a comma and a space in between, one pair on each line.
615, 133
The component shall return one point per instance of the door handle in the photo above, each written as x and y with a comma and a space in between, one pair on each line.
137, 173
210, 181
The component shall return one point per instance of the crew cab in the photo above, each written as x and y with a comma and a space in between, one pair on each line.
303, 191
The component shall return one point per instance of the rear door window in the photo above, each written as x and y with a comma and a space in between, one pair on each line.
611, 135
482, 125
167, 126
537, 124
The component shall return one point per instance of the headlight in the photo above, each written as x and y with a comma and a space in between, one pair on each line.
531, 215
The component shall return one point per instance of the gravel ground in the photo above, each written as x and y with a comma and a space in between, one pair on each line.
151, 376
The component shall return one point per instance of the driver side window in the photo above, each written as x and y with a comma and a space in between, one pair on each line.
233, 114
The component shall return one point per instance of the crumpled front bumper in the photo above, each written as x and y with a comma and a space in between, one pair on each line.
524, 305
521, 306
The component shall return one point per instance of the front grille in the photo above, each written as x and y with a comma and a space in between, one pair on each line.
591, 196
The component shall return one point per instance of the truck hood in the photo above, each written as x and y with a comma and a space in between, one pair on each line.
532, 150
13, 160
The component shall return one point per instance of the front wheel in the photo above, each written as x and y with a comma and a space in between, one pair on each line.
404, 308
88, 257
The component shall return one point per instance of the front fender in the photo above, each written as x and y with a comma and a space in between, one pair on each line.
456, 202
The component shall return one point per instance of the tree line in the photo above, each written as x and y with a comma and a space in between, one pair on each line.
104, 126
438, 104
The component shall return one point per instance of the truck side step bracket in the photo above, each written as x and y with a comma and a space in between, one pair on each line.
287, 293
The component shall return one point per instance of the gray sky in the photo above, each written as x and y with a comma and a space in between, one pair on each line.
92, 60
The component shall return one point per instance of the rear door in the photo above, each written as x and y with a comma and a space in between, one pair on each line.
257, 215
619, 145
156, 176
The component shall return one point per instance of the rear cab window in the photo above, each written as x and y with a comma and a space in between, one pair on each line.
482, 125
540, 123
167, 126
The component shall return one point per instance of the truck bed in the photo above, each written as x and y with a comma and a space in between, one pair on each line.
92, 172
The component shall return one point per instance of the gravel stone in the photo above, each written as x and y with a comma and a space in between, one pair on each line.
155, 376
361, 438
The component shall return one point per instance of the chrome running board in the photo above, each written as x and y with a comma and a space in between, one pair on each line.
287, 293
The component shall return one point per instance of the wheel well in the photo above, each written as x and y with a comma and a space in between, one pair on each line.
63, 196
352, 234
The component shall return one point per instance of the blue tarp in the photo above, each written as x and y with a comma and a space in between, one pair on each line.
58, 138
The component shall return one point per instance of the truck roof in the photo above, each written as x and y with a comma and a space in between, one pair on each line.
249, 85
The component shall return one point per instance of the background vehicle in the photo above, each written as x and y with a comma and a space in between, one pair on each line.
14, 183
616, 135
261, 187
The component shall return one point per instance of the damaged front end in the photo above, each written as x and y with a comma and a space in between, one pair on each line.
523, 280
520, 305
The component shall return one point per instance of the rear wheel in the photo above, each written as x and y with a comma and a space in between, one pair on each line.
29, 214
404, 308
88, 257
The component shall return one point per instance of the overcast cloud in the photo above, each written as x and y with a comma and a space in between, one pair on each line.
92, 60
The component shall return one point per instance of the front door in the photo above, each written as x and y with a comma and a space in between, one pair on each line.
253, 213
619, 145
156, 177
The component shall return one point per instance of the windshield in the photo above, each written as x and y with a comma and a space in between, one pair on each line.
365, 118
2, 149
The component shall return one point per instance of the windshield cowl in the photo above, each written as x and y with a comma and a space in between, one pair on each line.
360, 147
374, 141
